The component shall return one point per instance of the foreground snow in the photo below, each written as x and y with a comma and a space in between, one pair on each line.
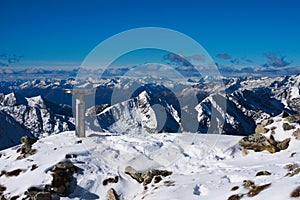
203, 166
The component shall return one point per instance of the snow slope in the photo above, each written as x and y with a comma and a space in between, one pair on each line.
204, 166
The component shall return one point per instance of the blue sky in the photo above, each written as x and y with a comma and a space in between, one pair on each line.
234, 33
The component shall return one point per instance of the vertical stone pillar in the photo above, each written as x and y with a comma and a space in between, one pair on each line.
80, 95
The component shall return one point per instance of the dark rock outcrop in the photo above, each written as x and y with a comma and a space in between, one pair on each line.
256, 190
257, 142
287, 126
293, 118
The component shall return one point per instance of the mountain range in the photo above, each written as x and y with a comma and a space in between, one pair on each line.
40, 107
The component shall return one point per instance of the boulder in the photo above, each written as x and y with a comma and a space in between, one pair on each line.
283, 145
263, 173
287, 126
257, 142
261, 129
284, 114
147, 176
235, 197
296, 192
42, 196
134, 174
110, 180
248, 184
256, 190
267, 122
293, 118
112, 194
296, 134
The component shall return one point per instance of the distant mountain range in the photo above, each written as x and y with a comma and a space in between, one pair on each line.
40, 107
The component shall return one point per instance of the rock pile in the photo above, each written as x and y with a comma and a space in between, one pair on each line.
293, 118
26, 148
62, 178
61, 183
147, 176
258, 142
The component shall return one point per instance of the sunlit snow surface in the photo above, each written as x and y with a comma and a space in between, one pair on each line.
201, 169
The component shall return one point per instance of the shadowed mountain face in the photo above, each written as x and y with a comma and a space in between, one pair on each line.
41, 107
10, 131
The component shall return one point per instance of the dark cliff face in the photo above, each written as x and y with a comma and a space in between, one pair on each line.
10, 131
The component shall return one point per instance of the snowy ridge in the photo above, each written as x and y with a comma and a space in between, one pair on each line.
34, 115
134, 116
36, 102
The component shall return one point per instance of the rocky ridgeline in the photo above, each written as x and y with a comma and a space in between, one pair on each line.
260, 141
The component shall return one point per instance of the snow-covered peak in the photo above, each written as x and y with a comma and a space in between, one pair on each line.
36, 102
9, 100
144, 96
